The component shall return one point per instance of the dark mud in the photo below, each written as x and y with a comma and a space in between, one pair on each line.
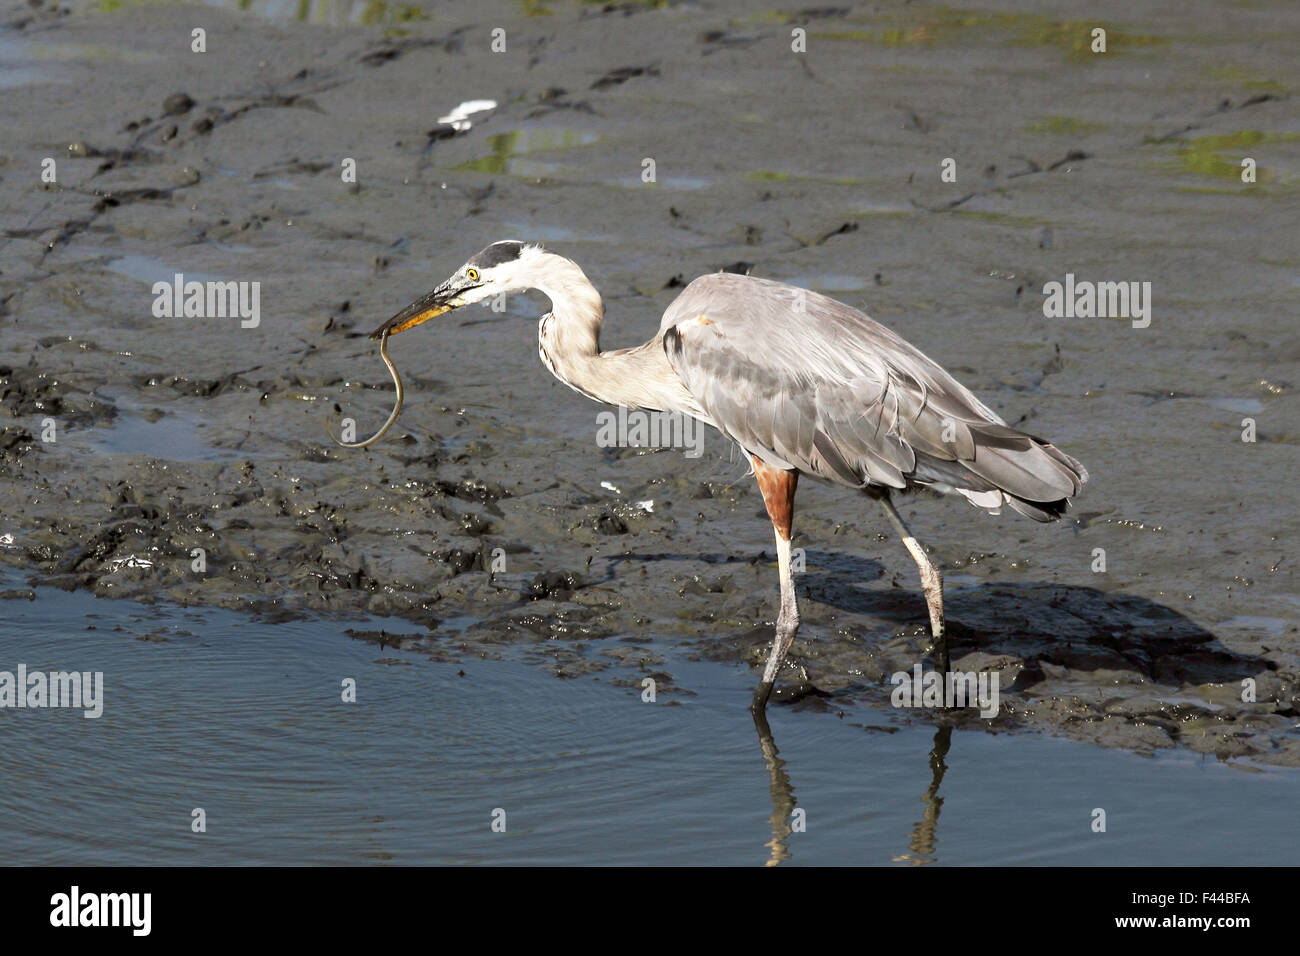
490, 519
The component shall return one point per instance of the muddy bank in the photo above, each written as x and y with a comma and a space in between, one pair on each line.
491, 520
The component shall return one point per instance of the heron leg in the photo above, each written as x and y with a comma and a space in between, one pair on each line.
931, 581
778, 488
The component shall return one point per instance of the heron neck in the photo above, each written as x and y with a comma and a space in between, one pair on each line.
571, 330
569, 344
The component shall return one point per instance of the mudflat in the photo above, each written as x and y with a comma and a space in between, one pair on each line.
185, 459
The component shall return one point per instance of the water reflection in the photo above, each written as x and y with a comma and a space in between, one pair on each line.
924, 839
782, 793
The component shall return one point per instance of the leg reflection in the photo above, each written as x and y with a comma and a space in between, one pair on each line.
782, 792
925, 835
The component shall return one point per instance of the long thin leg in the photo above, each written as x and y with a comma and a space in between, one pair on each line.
931, 581
778, 488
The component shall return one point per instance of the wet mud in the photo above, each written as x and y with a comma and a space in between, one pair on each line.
489, 519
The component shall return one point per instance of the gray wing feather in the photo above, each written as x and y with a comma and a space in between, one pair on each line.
805, 382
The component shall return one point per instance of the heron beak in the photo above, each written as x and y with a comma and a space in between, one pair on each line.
441, 300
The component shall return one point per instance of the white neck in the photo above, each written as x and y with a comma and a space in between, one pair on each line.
569, 343
576, 307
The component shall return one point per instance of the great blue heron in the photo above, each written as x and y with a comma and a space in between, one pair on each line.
802, 383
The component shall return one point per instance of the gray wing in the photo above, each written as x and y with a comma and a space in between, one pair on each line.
805, 382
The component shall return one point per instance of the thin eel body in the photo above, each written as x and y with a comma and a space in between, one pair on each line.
397, 405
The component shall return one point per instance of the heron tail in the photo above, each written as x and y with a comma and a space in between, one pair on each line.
1010, 467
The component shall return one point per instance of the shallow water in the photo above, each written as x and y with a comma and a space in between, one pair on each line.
207, 708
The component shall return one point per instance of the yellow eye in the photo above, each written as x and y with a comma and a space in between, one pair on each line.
471, 274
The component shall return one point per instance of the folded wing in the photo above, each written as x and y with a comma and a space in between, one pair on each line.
806, 382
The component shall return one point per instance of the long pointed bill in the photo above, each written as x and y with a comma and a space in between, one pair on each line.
436, 303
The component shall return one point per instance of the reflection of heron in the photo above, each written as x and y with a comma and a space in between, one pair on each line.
804, 384
783, 805
925, 835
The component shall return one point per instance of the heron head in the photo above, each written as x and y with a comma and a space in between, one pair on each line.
498, 268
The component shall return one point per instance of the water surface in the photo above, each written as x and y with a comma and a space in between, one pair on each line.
212, 709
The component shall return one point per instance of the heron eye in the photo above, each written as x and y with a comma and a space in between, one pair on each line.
471, 274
